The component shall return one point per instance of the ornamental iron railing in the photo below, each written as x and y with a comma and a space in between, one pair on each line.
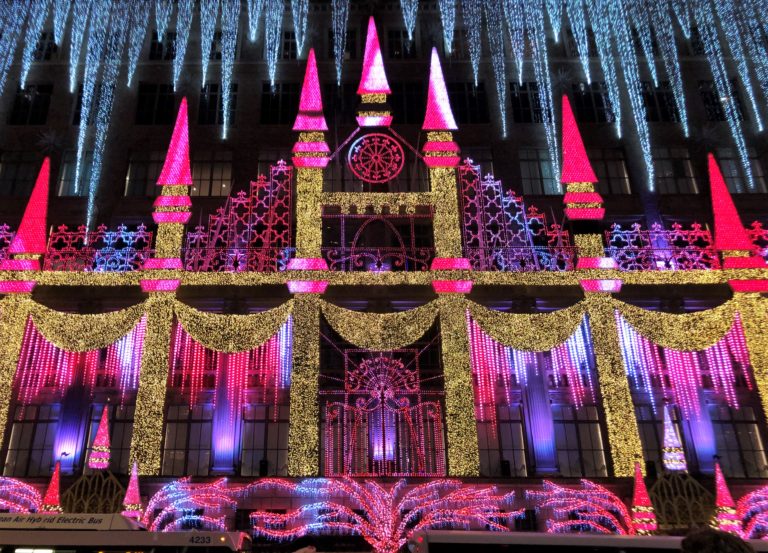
101, 250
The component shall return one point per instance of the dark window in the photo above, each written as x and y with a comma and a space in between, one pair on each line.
650, 425
45, 47
408, 101
573, 51
288, 49
697, 45
340, 105
30, 105
713, 103
660, 102
400, 48
211, 108
579, 441
525, 103
143, 170
674, 171
506, 442
350, 48
536, 172
187, 444
66, 185
460, 45
30, 446
469, 102
733, 171
18, 171
279, 104
265, 439
215, 54
591, 103
77, 112
738, 441
156, 104
211, 174
165, 49
610, 170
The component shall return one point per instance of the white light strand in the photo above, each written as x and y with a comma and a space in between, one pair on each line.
13, 22
163, 9
409, 8
534, 18
726, 11
209, 15
683, 15
493, 18
555, 13
665, 34
230, 17
255, 7
118, 34
339, 21
448, 19
472, 14
184, 15
750, 29
575, 10
37, 14
80, 13
638, 13
273, 28
598, 18
618, 21
513, 10
138, 31
60, 15
299, 12
705, 22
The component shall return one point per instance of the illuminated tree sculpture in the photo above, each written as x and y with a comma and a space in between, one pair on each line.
99, 457
51, 501
18, 497
132, 501
725, 518
753, 513
386, 517
590, 508
643, 515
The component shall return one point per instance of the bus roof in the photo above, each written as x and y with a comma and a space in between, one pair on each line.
120, 539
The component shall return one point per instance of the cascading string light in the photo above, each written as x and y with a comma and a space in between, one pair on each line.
515, 18
661, 20
38, 12
683, 15
597, 17
183, 27
472, 14
13, 23
81, 11
555, 13
750, 29
410, 9
299, 13
493, 15
707, 26
273, 31
209, 15
340, 14
163, 9
60, 15
448, 20
230, 17
575, 11
139, 21
255, 7
638, 14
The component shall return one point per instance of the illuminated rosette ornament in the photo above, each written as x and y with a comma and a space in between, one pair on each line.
51, 501
132, 507
99, 457
673, 456
643, 514
726, 518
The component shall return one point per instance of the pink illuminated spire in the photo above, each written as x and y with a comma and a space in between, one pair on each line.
643, 515
726, 517
439, 116
51, 502
729, 231
673, 456
176, 167
374, 80
576, 166
723, 496
31, 236
310, 117
132, 501
99, 458
640, 497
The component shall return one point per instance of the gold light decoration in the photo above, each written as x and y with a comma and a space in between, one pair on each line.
378, 202
231, 333
753, 309
14, 311
170, 238
445, 221
380, 331
588, 245
304, 418
309, 228
460, 419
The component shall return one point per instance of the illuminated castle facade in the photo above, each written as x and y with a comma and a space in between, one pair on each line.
378, 305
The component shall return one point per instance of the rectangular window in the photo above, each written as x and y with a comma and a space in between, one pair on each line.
30, 105
45, 49
482, 156
77, 111
30, 446
579, 442
350, 48
536, 173
215, 54
18, 171
738, 442
660, 102
674, 171
187, 444
399, 47
502, 451
570, 45
143, 170
713, 102
156, 104
340, 103
269, 157
460, 46
469, 103
733, 171
279, 104
163, 50
120, 424
211, 174
525, 102
610, 170
211, 110
651, 428
697, 45
265, 441
591, 103
66, 185
288, 48
408, 101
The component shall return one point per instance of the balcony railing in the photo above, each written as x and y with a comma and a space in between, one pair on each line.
102, 250
263, 260
759, 237
379, 259
522, 259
